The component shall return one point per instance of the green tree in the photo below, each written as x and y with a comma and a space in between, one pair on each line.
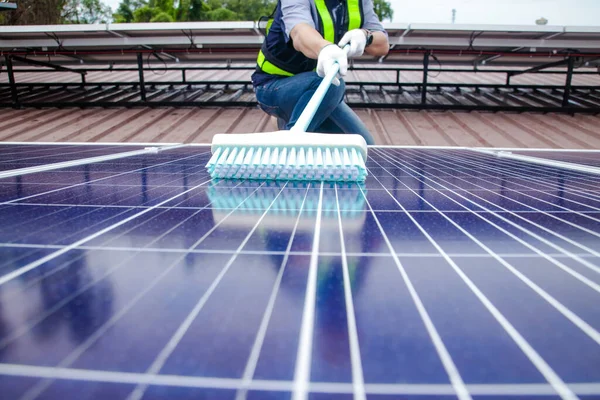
222, 14
250, 10
143, 14
383, 9
86, 12
162, 17
125, 10
210, 10
196, 11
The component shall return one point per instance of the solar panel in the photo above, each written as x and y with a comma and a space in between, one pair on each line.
447, 274
23, 156
240, 40
586, 157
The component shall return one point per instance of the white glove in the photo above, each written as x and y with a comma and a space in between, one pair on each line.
328, 57
358, 41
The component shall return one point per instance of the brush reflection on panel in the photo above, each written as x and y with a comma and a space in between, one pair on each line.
292, 211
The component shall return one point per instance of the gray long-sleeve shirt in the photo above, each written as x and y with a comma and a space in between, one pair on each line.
305, 11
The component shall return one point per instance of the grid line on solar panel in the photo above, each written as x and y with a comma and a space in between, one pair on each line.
584, 214
552, 377
98, 179
20, 168
63, 221
19, 332
579, 322
303, 357
274, 252
558, 161
530, 196
528, 245
513, 165
496, 172
379, 178
518, 168
545, 369
252, 362
591, 159
75, 354
37, 150
562, 237
166, 352
534, 389
588, 192
30, 266
441, 350
355, 357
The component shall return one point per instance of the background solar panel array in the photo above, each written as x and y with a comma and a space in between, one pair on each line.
448, 274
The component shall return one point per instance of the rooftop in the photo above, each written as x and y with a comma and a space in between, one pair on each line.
441, 85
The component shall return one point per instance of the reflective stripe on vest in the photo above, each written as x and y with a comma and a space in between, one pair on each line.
269, 67
355, 22
355, 19
328, 28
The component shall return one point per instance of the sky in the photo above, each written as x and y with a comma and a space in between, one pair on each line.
504, 12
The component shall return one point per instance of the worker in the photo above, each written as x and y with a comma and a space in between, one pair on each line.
304, 41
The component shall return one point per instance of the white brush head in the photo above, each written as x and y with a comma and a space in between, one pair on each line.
284, 155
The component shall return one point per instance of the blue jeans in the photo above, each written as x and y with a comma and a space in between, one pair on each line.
286, 98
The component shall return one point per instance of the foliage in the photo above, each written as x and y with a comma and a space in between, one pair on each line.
126, 9
34, 12
162, 17
383, 9
96, 11
143, 14
193, 10
85, 12
222, 14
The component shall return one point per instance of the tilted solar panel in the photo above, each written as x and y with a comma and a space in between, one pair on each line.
448, 274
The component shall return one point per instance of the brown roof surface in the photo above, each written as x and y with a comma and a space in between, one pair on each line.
198, 125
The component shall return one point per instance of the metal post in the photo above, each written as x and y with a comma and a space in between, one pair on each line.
508, 75
183, 75
11, 80
398, 77
425, 74
82, 79
568, 85
141, 72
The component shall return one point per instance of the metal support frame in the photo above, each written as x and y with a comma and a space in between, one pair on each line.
568, 84
140, 62
47, 65
425, 75
11, 79
225, 93
541, 67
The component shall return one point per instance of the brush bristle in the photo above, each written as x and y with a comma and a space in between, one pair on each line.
311, 163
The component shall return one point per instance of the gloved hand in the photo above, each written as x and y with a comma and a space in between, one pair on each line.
328, 57
357, 40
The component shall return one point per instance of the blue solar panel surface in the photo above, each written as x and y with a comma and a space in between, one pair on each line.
23, 156
589, 158
448, 274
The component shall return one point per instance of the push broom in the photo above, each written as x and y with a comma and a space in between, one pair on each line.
294, 154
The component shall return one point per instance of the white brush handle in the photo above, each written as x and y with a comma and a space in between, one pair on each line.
317, 98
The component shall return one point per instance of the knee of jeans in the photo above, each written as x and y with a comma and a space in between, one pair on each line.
335, 94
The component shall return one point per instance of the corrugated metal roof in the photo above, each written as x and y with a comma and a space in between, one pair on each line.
389, 127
